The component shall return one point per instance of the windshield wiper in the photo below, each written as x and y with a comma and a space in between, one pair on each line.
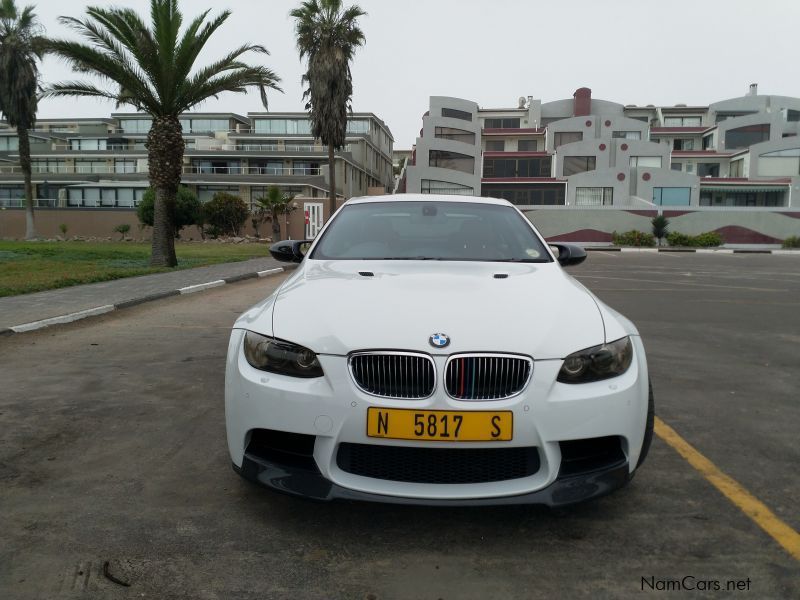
522, 260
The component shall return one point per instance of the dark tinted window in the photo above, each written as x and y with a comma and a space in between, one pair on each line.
506, 123
451, 160
406, 230
742, 137
456, 114
578, 164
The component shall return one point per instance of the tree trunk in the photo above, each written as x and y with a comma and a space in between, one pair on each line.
165, 147
25, 164
332, 178
276, 227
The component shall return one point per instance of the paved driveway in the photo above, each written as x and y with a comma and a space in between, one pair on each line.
112, 449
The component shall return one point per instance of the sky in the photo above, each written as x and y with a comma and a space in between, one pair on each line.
628, 51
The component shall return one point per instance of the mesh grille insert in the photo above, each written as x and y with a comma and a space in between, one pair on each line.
437, 465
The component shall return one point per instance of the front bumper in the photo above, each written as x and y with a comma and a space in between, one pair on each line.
332, 410
309, 483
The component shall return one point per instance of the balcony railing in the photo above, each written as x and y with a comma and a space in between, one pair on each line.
187, 170
196, 170
74, 170
108, 148
20, 202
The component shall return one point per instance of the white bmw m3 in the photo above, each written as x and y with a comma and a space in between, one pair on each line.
432, 350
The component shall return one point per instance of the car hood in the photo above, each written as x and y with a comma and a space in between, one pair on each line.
332, 308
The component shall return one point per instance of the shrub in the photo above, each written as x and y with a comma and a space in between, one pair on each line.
633, 238
704, 240
708, 239
63, 229
660, 225
186, 211
122, 229
792, 242
225, 214
675, 238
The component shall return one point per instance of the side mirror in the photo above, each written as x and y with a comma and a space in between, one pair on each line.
289, 250
569, 254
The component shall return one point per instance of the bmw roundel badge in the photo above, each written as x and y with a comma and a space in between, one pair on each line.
439, 340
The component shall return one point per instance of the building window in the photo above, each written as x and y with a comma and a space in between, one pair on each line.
689, 167
594, 196
302, 167
457, 114
527, 195
650, 162
91, 166
358, 126
504, 123
457, 135
676, 166
578, 164
742, 198
431, 186
566, 137
527, 145
672, 196
495, 145
451, 160
792, 115
204, 125
683, 144
708, 142
708, 169
682, 121
282, 126
49, 165
517, 167
736, 168
135, 125
780, 163
12, 195
9, 144
627, 135
742, 137
88, 144
124, 165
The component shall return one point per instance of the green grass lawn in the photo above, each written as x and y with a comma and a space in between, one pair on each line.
35, 266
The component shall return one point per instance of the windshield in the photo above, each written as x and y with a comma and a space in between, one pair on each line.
407, 230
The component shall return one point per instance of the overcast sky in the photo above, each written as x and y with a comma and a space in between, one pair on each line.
493, 52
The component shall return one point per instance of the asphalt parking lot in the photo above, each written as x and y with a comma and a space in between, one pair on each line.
112, 450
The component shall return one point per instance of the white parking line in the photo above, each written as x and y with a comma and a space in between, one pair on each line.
90, 312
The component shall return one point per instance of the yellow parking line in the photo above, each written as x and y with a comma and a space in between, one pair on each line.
733, 491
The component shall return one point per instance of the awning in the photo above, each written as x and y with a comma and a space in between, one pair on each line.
744, 188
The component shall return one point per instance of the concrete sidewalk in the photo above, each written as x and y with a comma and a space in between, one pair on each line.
28, 311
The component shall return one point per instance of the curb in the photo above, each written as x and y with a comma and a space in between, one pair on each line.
696, 250
101, 310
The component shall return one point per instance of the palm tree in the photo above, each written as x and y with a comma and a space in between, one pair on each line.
328, 35
272, 206
153, 69
21, 45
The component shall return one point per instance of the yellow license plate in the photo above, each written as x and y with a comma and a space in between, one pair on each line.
440, 425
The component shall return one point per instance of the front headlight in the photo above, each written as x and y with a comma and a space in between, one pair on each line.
277, 356
596, 363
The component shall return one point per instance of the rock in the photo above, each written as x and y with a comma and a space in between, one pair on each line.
59, 238
236, 240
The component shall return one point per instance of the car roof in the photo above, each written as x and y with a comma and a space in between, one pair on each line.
428, 198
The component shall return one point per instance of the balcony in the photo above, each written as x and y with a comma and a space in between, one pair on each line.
75, 170
275, 171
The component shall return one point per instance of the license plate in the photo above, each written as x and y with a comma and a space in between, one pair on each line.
440, 425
